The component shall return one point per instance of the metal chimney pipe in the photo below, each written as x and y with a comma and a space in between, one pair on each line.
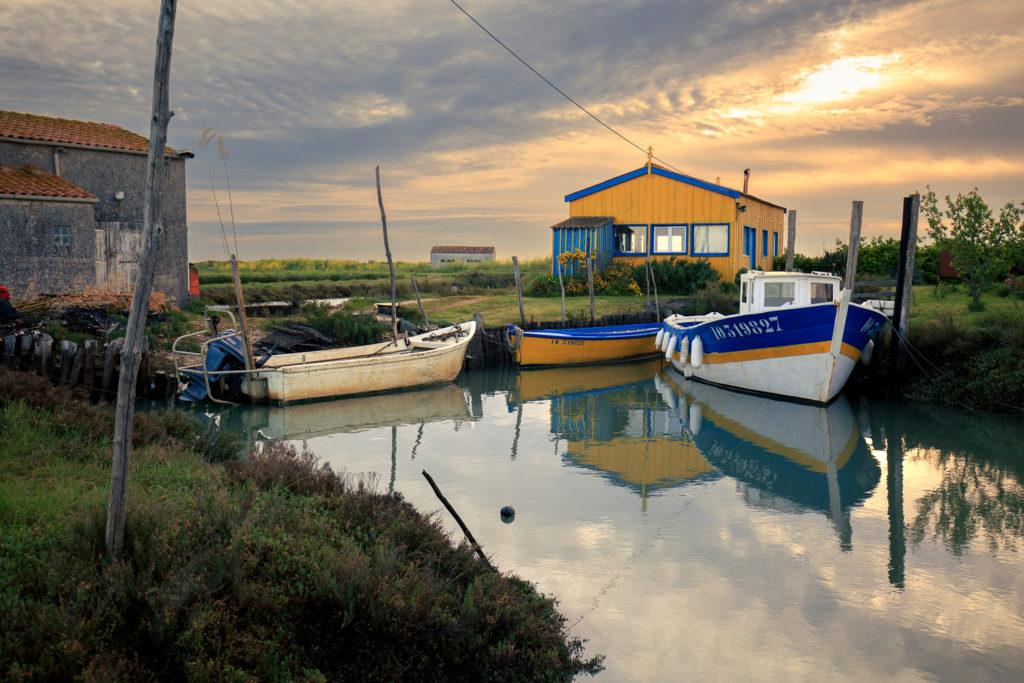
746, 179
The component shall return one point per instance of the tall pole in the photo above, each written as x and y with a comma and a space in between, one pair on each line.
853, 249
905, 279
391, 264
790, 241
152, 236
519, 292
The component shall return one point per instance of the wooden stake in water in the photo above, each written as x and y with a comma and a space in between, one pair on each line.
853, 249
462, 525
117, 505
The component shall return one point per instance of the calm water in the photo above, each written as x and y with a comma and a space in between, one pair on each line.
692, 532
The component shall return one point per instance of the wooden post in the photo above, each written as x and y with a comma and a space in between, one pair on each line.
519, 293
561, 286
111, 356
654, 284
67, 358
791, 241
90, 364
426, 323
76, 367
590, 286
152, 235
243, 321
475, 352
894, 496
46, 361
853, 249
10, 349
905, 280
391, 264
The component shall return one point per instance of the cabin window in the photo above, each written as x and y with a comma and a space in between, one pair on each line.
779, 293
670, 239
630, 239
710, 239
821, 292
62, 235
743, 293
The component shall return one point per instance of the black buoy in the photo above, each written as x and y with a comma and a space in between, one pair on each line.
508, 514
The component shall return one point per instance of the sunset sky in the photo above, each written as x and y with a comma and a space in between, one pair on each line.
825, 101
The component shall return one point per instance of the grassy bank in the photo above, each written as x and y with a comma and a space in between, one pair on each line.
267, 568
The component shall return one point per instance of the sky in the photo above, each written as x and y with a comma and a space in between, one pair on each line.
826, 101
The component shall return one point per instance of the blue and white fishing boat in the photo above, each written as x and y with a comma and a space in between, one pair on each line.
797, 335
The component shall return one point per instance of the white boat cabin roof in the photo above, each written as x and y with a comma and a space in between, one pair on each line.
765, 291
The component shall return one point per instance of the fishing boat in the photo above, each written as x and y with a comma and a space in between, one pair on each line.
219, 371
797, 335
582, 346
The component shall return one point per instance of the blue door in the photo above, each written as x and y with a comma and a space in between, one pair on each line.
750, 245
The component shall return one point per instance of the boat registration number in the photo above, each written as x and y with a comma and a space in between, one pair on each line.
570, 342
746, 328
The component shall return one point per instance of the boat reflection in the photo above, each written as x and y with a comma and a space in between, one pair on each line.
787, 456
307, 420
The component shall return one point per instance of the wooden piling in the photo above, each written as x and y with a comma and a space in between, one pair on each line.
10, 349
905, 281
853, 249
519, 292
791, 241
89, 368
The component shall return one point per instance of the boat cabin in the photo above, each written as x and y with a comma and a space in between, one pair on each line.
761, 291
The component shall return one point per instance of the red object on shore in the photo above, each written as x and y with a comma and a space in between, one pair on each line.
4, 294
193, 282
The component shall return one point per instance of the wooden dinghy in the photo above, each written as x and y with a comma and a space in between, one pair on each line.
582, 346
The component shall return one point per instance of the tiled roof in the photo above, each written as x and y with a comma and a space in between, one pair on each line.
583, 222
70, 132
462, 250
30, 181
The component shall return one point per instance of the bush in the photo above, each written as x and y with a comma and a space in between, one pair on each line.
347, 329
682, 277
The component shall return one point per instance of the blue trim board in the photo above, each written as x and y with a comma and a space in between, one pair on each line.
654, 171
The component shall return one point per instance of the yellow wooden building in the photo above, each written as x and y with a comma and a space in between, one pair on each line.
656, 213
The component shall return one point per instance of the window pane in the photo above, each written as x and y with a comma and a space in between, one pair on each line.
62, 235
710, 239
821, 292
778, 293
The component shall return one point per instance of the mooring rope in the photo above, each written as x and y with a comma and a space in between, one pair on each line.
513, 345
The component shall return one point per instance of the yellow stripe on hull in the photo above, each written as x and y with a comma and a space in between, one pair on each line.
561, 351
777, 352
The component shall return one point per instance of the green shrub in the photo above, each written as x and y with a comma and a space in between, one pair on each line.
682, 277
347, 329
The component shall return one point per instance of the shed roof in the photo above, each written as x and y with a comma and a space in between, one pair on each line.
583, 222
462, 250
655, 170
71, 132
29, 181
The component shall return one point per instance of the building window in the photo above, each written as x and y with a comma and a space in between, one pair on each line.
670, 239
749, 235
710, 239
775, 244
764, 243
630, 239
62, 235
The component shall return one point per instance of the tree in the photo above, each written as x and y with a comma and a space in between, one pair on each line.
980, 244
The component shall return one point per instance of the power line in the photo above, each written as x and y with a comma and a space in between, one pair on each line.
556, 88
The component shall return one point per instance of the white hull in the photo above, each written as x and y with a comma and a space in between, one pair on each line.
361, 370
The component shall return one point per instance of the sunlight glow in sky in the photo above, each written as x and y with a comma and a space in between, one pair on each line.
825, 102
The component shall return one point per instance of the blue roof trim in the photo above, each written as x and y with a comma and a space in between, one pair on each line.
655, 171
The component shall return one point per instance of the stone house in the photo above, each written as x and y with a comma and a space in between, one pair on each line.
72, 196
441, 256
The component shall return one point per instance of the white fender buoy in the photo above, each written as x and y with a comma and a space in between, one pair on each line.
670, 348
865, 355
657, 339
684, 350
696, 352
695, 417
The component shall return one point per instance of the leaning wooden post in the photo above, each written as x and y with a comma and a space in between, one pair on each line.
590, 286
853, 249
654, 284
391, 264
905, 280
791, 241
465, 529
519, 292
152, 236
426, 323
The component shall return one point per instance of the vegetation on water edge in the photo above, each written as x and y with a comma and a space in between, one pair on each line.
267, 568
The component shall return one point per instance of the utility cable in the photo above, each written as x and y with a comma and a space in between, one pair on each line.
559, 90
